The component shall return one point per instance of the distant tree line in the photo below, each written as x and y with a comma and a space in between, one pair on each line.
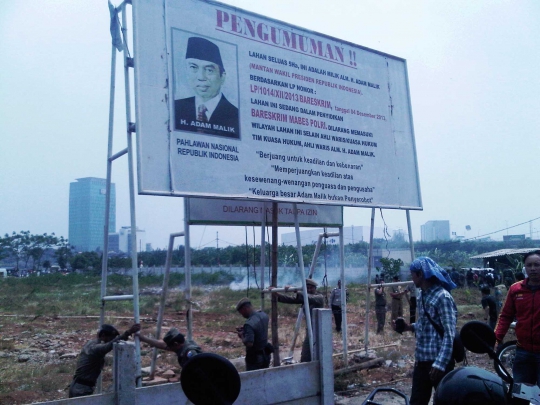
27, 251
24, 250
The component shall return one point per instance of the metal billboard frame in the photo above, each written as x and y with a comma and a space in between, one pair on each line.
166, 118
130, 129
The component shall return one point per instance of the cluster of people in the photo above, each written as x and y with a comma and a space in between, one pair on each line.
436, 325
434, 328
92, 357
475, 277
253, 334
479, 278
397, 292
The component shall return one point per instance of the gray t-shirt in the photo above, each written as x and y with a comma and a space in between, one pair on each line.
256, 331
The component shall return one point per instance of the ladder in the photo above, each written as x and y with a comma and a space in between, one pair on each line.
119, 43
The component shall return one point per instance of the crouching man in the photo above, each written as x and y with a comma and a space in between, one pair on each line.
92, 359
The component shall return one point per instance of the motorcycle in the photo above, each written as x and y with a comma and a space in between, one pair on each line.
506, 354
473, 385
467, 385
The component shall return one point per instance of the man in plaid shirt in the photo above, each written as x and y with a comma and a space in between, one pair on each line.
433, 353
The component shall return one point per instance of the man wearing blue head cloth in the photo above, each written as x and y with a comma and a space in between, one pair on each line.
434, 330
208, 111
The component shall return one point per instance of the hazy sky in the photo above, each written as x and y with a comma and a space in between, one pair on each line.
474, 79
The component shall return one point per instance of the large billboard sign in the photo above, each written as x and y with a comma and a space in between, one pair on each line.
215, 211
232, 104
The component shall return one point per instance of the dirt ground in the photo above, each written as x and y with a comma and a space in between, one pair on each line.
38, 354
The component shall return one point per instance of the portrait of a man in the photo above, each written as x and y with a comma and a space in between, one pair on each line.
208, 111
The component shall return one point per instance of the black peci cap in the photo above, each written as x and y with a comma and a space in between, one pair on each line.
203, 49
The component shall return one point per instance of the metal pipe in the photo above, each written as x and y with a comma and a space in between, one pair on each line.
315, 255
275, 335
117, 298
300, 316
281, 289
263, 251
135, 274
411, 244
370, 261
104, 259
187, 270
374, 285
164, 290
299, 319
303, 275
343, 295
317, 250
118, 154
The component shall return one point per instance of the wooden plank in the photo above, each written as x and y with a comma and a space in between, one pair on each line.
361, 366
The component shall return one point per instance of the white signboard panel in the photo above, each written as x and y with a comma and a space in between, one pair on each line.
213, 211
233, 104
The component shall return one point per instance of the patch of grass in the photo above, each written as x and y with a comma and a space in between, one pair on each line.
7, 344
73, 294
51, 375
223, 301
32, 377
149, 305
220, 277
208, 340
467, 296
63, 369
345, 381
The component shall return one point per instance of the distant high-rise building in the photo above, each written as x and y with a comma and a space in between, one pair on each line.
435, 230
125, 239
87, 213
114, 242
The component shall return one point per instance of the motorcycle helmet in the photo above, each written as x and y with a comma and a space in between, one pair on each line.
471, 386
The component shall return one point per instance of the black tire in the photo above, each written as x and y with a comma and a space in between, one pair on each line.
506, 354
209, 379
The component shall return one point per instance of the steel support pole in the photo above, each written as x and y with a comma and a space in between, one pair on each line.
135, 273
300, 316
318, 249
104, 259
275, 335
343, 295
370, 264
316, 254
164, 291
297, 325
303, 275
263, 252
187, 270
409, 229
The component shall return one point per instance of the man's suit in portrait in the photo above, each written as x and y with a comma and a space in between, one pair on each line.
222, 122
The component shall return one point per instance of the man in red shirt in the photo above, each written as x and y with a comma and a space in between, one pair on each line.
523, 303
